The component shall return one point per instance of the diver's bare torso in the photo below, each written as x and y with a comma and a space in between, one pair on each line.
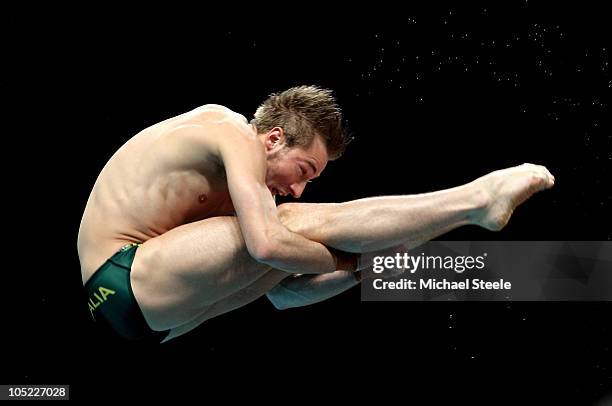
152, 184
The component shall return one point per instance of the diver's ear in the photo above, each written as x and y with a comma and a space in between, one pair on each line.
275, 139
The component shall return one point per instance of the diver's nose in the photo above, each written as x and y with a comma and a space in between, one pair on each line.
297, 189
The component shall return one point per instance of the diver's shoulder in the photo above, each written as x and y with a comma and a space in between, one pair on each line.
219, 112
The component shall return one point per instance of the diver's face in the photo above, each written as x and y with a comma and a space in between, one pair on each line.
289, 169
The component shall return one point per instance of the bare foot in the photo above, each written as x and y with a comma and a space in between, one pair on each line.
505, 189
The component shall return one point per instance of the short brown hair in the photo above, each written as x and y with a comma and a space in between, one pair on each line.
302, 112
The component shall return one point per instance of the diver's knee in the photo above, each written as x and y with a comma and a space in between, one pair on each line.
292, 216
285, 212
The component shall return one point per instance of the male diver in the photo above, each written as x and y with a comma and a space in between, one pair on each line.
181, 225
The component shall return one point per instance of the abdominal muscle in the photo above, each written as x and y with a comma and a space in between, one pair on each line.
145, 190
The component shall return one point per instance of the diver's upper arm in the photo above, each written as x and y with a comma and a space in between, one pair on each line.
244, 159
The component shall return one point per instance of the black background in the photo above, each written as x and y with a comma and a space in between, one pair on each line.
434, 97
